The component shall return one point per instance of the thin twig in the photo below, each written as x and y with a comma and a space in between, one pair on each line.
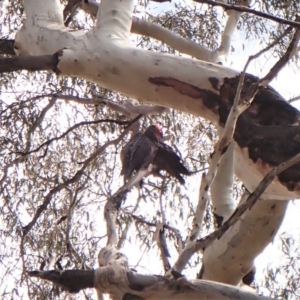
250, 11
63, 185
162, 211
294, 99
72, 204
38, 122
74, 179
126, 229
150, 224
84, 123
16, 161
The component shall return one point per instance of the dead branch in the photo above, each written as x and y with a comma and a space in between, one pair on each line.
29, 63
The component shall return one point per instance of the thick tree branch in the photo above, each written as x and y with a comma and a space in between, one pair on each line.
114, 20
181, 44
144, 286
209, 239
144, 27
231, 24
221, 189
240, 104
137, 286
69, 280
114, 277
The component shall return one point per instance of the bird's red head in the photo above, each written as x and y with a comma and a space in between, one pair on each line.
158, 131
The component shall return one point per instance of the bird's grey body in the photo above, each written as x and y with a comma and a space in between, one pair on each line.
146, 149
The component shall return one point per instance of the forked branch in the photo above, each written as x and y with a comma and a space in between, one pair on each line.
240, 105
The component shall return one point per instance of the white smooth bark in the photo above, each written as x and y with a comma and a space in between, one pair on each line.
221, 188
143, 27
244, 166
114, 20
114, 65
231, 24
230, 258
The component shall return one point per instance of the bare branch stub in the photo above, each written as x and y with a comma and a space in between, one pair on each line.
30, 63
69, 280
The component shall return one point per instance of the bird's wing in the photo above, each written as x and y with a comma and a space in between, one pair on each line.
167, 159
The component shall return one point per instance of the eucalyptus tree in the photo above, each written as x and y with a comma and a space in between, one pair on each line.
78, 78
